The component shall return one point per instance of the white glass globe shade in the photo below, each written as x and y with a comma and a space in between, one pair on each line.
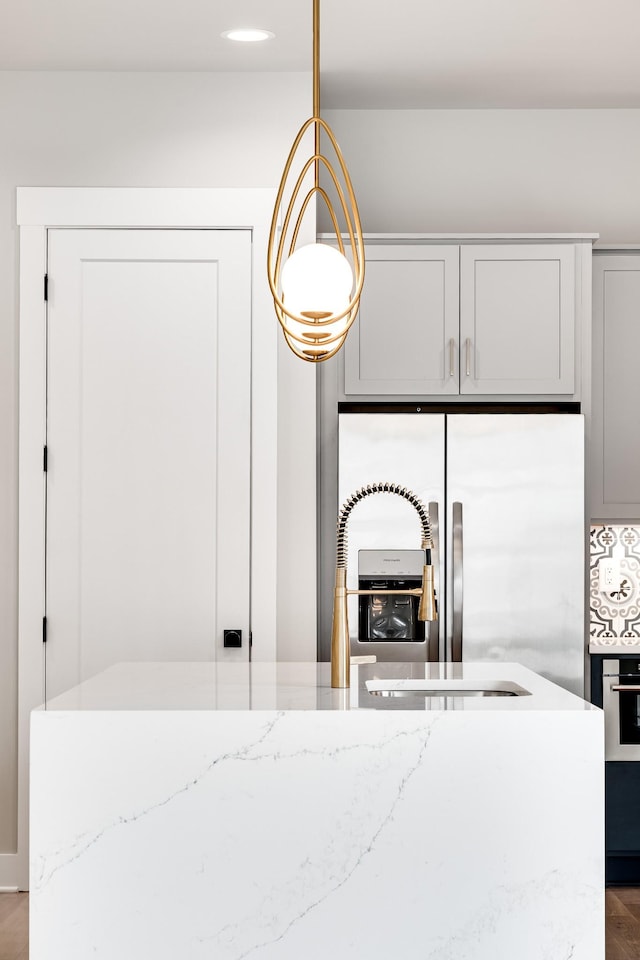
316, 282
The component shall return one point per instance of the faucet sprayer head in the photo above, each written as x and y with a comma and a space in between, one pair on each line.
428, 609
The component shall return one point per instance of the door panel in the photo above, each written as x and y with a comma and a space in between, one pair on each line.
517, 319
615, 453
397, 448
405, 340
520, 481
148, 440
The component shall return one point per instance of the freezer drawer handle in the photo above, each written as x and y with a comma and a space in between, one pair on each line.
457, 559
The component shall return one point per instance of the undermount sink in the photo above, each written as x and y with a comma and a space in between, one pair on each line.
445, 688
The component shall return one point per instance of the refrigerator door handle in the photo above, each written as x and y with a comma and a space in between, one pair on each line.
457, 585
433, 628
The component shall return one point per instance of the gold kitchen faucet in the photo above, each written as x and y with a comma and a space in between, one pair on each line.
340, 651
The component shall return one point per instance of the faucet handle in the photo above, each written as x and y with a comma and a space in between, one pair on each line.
428, 609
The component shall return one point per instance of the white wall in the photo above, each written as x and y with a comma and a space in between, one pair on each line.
421, 171
430, 171
100, 129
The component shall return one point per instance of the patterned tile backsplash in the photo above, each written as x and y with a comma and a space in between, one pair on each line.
615, 610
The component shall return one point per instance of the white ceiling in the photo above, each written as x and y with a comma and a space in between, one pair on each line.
401, 53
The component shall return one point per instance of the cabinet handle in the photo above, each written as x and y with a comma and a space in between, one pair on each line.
452, 361
468, 354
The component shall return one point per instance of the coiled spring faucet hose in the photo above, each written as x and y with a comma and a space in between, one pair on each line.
340, 645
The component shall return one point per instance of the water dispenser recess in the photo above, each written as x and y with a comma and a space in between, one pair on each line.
390, 617
388, 624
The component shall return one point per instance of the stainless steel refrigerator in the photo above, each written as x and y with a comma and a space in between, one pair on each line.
506, 498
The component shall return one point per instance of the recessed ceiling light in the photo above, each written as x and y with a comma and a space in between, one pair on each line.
248, 36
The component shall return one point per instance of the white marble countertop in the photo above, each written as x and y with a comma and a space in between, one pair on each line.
250, 812
300, 686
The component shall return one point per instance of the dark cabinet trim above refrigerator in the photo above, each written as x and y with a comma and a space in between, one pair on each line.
349, 406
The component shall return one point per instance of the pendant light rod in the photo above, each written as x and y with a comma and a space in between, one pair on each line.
316, 87
315, 287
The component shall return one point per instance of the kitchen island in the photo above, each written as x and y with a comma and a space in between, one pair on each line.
195, 810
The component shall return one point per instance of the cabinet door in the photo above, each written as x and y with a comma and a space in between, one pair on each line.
517, 319
405, 339
615, 441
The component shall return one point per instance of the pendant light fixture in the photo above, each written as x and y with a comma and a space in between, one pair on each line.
316, 287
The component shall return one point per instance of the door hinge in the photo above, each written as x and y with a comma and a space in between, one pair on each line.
44, 458
44, 629
46, 286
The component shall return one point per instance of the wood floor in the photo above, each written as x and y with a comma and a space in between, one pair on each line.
14, 926
622, 924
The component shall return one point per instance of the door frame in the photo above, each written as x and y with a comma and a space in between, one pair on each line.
38, 210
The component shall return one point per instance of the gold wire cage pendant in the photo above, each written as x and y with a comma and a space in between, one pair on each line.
318, 331
315, 337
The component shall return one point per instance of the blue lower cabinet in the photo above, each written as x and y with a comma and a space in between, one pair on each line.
622, 797
622, 827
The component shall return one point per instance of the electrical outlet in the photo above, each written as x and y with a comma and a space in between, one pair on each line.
609, 572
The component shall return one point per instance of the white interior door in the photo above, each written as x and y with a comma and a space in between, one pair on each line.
148, 440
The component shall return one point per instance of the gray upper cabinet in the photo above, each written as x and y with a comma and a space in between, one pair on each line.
615, 437
517, 319
472, 319
405, 339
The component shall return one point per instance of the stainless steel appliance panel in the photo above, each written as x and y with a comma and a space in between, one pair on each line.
621, 705
407, 449
515, 487
512, 585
